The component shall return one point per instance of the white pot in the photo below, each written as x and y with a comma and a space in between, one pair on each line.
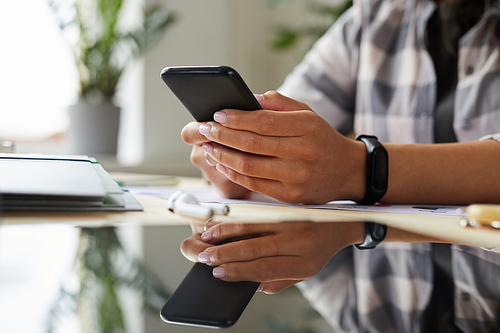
94, 128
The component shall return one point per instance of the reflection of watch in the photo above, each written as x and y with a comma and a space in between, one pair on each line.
377, 169
374, 234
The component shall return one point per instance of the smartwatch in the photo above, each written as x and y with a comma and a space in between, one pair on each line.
374, 234
377, 169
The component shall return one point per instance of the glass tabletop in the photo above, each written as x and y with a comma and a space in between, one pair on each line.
60, 278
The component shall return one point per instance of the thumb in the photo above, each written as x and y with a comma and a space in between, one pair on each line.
273, 100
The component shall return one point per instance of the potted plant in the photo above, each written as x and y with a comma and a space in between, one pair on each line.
103, 269
102, 51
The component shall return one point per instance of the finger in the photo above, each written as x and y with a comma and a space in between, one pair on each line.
210, 161
191, 134
248, 164
267, 122
199, 160
273, 188
225, 187
267, 269
248, 141
271, 288
192, 246
245, 250
228, 230
273, 100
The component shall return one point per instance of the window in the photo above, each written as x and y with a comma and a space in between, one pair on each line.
38, 78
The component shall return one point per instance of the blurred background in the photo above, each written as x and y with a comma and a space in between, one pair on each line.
63, 56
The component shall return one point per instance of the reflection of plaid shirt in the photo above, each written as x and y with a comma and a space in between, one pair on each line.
371, 73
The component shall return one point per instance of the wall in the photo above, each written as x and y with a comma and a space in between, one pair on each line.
229, 32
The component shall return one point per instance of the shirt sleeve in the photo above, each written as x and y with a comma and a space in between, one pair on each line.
326, 78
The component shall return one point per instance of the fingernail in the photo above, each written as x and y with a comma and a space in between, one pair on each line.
207, 148
219, 272
220, 117
204, 257
259, 290
258, 97
222, 169
207, 236
205, 129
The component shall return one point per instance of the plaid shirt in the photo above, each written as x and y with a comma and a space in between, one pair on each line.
371, 73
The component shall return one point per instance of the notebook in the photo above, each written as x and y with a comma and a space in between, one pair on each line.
59, 182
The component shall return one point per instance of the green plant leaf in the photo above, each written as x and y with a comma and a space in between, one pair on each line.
102, 51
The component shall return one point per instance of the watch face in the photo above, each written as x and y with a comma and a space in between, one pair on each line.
380, 161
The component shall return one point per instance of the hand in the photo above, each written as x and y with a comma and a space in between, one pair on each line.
286, 151
276, 254
226, 188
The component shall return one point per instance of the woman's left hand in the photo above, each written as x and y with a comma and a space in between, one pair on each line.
276, 254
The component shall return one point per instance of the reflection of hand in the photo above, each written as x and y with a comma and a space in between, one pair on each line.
278, 255
289, 153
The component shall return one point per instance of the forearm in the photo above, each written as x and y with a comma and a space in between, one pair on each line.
456, 173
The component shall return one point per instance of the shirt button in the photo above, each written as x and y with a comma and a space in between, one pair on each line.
465, 296
469, 70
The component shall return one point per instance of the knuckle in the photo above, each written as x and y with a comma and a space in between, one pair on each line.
302, 177
309, 155
254, 142
218, 155
295, 195
273, 94
215, 255
244, 166
216, 133
242, 228
252, 251
268, 122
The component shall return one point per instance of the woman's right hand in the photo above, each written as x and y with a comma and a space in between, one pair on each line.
226, 188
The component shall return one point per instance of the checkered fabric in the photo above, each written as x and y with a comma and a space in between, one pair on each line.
371, 73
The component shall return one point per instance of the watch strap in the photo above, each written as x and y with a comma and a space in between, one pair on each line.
374, 234
377, 169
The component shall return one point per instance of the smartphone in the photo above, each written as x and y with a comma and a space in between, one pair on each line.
204, 301
206, 90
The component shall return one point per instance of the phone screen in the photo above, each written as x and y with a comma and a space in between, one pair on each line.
206, 90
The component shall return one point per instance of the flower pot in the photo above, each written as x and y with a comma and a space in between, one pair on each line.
94, 128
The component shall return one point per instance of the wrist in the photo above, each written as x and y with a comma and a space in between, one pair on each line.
356, 180
354, 233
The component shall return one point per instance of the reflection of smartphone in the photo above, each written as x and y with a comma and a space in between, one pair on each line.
203, 300
206, 90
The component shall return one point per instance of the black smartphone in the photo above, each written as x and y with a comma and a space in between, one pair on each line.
204, 90
205, 301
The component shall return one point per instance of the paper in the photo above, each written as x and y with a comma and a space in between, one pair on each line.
211, 195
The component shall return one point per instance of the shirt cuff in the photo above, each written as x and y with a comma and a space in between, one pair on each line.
495, 137
494, 249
